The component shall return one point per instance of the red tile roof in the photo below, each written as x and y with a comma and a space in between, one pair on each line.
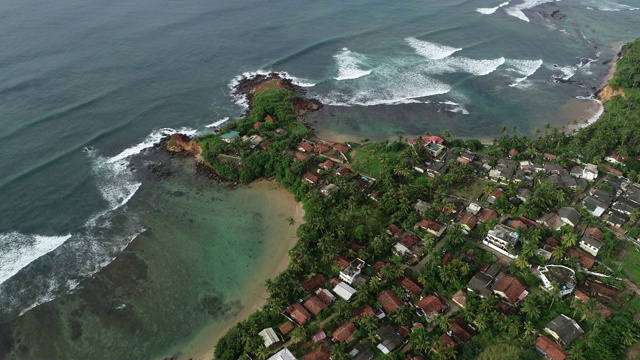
430, 305
610, 169
344, 333
594, 232
325, 298
305, 146
447, 259
327, 165
496, 193
550, 348
341, 147
460, 298
549, 156
364, 310
486, 214
409, 239
299, 156
343, 171
431, 225
582, 296
470, 220
320, 353
257, 124
286, 327
394, 230
446, 340
410, 285
314, 305
378, 265
461, 329
585, 259
313, 283
510, 287
343, 261
299, 314
514, 152
428, 139
270, 118
390, 301
322, 149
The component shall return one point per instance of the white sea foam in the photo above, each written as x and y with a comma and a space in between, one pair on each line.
350, 65
455, 107
525, 68
48, 296
217, 123
478, 67
596, 115
431, 50
605, 5
19, 250
516, 10
489, 11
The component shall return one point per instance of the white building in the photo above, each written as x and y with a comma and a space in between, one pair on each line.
590, 245
503, 239
565, 278
269, 337
351, 271
344, 291
283, 354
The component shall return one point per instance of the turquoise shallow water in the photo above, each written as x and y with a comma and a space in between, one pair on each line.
85, 86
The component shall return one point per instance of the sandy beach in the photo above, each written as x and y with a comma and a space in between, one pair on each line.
277, 205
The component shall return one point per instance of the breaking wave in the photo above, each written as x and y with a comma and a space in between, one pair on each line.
217, 123
72, 257
524, 69
516, 10
489, 11
431, 50
350, 65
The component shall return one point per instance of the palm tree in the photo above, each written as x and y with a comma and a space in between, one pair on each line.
263, 352
338, 352
569, 239
298, 335
455, 235
442, 322
401, 316
558, 252
530, 308
521, 262
529, 328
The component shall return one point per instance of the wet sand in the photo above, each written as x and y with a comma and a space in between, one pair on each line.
275, 202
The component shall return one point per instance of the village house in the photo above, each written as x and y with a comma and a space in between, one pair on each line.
495, 194
298, 314
569, 216
563, 276
468, 222
591, 240
326, 296
564, 329
394, 230
326, 165
284, 354
269, 337
361, 352
460, 329
551, 220
305, 147
390, 301
299, 156
314, 305
329, 189
364, 310
486, 215
410, 286
479, 284
321, 149
586, 261
509, 288
345, 333
321, 352
446, 340
550, 348
313, 283
617, 219
460, 298
596, 206
343, 171
286, 328
230, 136
432, 227
389, 339
601, 289
474, 208
429, 306
344, 291
312, 178
503, 239
349, 273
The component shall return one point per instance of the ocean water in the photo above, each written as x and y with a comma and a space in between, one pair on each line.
87, 87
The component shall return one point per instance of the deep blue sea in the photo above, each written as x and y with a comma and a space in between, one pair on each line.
87, 87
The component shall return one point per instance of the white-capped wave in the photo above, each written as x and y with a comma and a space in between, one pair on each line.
478, 67
217, 122
49, 295
524, 69
516, 10
431, 50
350, 65
605, 5
19, 250
489, 11
455, 107
150, 141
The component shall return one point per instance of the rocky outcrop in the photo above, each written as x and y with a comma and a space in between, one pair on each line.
181, 142
608, 92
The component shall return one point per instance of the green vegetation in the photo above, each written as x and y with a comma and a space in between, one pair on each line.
351, 223
627, 74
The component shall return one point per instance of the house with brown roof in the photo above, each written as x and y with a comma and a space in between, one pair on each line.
430, 306
257, 124
586, 261
495, 194
313, 283
409, 239
509, 288
320, 353
394, 230
549, 157
305, 147
550, 348
270, 118
326, 165
364, 310
412, 287
343, 171
601, 289
460, 298
314, 305
299, 314
341, 147
433, 227
299, 156
345, 333
326, 296
343, 261
390, 301
486, 215
312, 178
322, 149
446, 340
460, 329
468, 222
286, 328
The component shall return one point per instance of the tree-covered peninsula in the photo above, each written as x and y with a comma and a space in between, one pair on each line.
440, 248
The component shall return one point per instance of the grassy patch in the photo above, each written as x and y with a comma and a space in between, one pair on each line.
631, 263
473, 190
371, 158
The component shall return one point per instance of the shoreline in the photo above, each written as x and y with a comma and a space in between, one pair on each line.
253, 295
